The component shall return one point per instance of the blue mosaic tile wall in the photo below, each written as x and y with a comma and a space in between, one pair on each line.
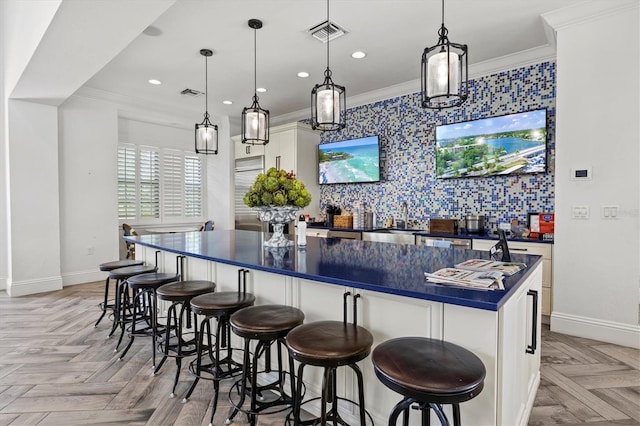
407, 137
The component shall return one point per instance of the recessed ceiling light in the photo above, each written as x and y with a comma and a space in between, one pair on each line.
261, 89
227, 102
156, 82
303, 74
152, 31
358, 55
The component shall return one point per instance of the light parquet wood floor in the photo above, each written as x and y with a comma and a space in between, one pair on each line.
57, 369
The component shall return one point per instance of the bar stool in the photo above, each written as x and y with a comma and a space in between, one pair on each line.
144, 307
219, 306
330, 344
428, 373
121, 275
180, 294
266, 325
107, 267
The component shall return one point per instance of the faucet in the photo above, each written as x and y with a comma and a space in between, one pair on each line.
405, 214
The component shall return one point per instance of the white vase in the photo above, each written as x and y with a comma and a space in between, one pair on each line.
277, 216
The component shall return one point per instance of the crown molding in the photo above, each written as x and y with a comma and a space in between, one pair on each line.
584, 12
505, 63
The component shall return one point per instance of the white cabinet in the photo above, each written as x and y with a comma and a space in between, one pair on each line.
315, 232
244, 150
542, 249
502, 341
295, 147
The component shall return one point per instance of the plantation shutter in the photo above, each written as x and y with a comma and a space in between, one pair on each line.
149, 184
172, 185
192, 186
127, 198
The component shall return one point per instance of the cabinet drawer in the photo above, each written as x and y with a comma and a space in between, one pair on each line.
322, 233
539, 249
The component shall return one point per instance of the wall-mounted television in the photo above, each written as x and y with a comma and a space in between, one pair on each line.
505, 145
349, 161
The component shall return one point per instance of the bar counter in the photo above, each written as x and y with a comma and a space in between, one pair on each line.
389, 268
383, 286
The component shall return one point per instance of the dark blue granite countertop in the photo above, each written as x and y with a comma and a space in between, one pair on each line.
389, 268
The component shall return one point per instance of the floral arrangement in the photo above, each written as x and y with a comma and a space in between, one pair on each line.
277, 188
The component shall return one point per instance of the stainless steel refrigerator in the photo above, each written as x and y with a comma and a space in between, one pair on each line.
246, 170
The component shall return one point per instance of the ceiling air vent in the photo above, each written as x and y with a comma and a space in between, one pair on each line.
319, 32
191, 92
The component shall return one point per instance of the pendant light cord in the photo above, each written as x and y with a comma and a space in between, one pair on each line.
255, 65
206, 86
328, 28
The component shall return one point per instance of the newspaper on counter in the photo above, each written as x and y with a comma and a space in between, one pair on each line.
481, 265
486, 280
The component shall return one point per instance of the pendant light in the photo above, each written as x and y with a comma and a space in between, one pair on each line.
255, 120
444, 72
206, 132
328, 100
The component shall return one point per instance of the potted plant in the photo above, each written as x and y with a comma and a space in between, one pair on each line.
277, 196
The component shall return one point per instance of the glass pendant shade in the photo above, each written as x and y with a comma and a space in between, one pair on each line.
255, 120
206, 132
328, 100
444, 72
206, 137
328, 106
255, 125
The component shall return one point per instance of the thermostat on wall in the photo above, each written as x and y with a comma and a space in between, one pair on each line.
581, 174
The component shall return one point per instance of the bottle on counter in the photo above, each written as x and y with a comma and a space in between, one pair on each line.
302, 232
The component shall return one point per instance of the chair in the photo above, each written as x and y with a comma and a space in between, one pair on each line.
207, 226
131, 248
266, 326
428, 373
108, 267
330, 345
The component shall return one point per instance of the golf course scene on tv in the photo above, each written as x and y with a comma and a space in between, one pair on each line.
505, 145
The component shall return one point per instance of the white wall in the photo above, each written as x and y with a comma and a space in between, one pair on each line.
34, 214
88, 135
4, 165
596, 268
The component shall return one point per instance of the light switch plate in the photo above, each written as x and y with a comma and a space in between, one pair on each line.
610, 212
580, 212
582, 173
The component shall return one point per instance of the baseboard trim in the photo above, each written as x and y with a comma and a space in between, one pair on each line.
82, 277
604, 331
27, 287
3, 283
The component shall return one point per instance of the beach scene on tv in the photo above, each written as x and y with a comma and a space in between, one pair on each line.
352, 161
505, 145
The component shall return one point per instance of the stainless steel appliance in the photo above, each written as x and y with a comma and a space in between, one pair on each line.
474, 224
424, 240
245, 172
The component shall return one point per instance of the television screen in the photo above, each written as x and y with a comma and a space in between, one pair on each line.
349, 161
505, 145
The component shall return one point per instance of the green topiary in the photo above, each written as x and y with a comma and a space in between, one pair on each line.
278, 188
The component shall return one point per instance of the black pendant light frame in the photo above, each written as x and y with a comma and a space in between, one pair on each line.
253, 136
448, 99
337, 120
205, 146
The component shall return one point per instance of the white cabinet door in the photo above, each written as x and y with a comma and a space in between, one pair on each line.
519, 351
388, 316
243, 150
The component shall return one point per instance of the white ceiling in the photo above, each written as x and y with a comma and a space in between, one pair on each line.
392, 32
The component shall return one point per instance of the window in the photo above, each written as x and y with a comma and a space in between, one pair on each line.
159, 185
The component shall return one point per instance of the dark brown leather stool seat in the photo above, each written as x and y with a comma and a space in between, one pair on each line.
144, 307
176, 342
110, 266
220, 305
330, 344
428, 372
268, 324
